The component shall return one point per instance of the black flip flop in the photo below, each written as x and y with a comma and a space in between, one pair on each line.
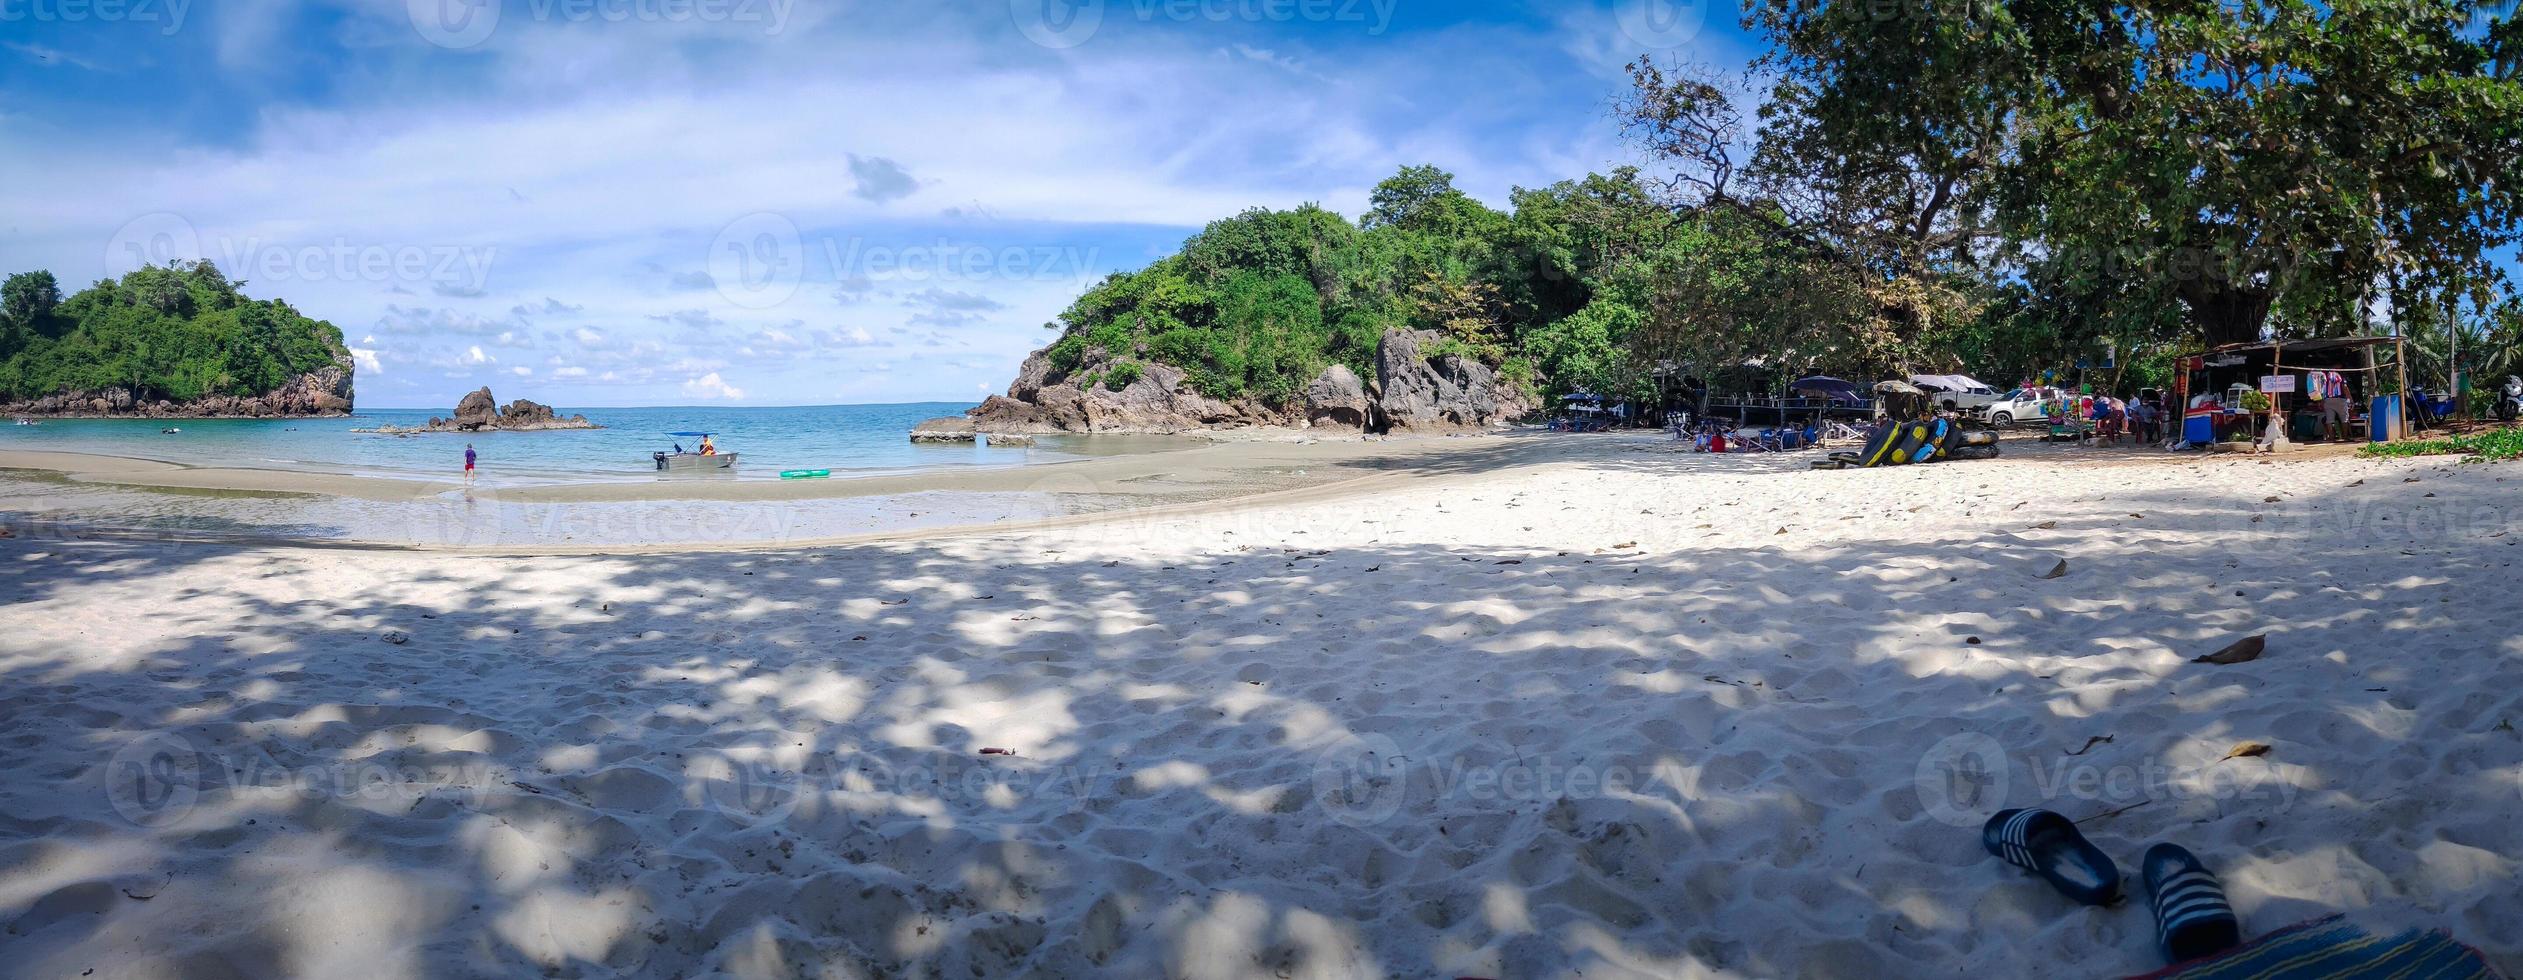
2192, 918
2048, 845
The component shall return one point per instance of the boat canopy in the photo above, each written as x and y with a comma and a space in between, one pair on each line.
1820, 386
1946, 382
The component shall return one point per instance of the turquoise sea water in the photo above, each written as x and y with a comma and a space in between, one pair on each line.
846, 439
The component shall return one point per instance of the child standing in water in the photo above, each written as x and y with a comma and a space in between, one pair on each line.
468, 462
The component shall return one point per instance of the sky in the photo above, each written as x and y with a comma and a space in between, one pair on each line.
602, 203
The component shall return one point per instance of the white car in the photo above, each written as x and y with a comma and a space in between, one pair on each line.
2021, 405
1954, 392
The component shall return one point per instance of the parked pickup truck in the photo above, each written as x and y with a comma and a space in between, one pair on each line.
2021, 405
1954, 392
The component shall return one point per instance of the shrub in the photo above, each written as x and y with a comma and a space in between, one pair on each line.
1122, 375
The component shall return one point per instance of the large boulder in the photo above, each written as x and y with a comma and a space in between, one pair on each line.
1448, 392
477, 410
1337, 397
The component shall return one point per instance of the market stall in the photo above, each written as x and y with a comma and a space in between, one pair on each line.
2317, 389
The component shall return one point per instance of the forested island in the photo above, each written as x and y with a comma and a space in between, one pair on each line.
178, 341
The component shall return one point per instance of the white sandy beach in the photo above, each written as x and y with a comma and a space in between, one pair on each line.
1612, 711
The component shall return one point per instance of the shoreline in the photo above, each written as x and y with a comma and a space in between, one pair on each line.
158, 474
1199, 479
1197, 455
1204, 478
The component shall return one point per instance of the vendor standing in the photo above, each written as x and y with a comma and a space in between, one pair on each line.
2327, 392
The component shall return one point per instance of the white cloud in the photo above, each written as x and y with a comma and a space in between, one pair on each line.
366, 360
436, 322
711, 387
913, 103
570, 372
522, 371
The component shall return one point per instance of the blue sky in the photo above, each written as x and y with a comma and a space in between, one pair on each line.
633, 202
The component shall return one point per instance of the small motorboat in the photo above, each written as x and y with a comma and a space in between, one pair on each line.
23, 420
708, 460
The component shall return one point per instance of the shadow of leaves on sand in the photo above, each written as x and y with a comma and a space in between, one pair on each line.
1284, 759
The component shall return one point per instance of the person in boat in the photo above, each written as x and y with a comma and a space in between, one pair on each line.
707, 448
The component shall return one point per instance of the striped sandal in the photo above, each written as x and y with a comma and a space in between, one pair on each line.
2047, 844
2192, 918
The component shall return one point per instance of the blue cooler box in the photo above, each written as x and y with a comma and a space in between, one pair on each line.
2386, 418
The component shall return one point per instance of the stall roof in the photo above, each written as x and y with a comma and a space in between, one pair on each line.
2306, 346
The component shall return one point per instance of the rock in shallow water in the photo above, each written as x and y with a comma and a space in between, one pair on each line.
943, 430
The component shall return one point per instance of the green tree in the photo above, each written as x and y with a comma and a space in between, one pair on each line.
1589, 351
27, 298
2254, 166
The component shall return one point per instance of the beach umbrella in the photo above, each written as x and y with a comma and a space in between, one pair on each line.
1902, 400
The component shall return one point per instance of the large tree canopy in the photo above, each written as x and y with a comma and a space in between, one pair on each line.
2241, 163
2013, 184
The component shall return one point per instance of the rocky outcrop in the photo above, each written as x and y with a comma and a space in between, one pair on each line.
1412, 392
1447, 392
525, 414
480, 412
1157, 401
316, 393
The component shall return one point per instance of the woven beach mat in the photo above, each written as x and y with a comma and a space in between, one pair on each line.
2334, 947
